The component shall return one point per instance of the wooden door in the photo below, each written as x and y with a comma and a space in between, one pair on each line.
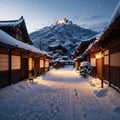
4, 70
99, 68
36, 67
106, 68
24, 69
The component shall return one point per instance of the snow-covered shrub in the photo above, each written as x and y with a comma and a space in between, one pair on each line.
85, 68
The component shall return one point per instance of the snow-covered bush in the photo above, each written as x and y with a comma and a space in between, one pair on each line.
85, 68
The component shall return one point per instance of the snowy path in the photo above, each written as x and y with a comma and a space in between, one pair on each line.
60, 95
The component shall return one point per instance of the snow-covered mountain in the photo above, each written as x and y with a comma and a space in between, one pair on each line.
64, 33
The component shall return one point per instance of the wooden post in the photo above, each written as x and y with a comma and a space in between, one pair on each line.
21, 66
109, 68
33, 66
39, 65
102, 83
44, 68
102, 72
10, 67
44, 65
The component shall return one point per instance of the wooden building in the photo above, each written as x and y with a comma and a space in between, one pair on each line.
78, 55
16, 29
105, 53
58, 49
19, 60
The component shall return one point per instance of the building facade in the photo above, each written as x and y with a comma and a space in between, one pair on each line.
104, 53
20, 60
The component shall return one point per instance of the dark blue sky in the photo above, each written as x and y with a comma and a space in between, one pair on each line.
93, 14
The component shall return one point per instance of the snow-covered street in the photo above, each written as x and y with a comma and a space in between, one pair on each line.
59, 95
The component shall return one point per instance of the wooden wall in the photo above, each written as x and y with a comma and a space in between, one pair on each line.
115, 65
108, 67
106, 73
46, 65
4, 78
42, 66
31, 67
4, 67
93, 65
24, 68
36, 66
15, 66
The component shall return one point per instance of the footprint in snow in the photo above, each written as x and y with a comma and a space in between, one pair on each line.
85, 115
102, 93
75, 92
92, 84
117, 109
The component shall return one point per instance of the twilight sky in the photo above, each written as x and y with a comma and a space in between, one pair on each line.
92, 14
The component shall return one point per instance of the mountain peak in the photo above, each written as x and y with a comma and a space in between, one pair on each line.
62, 33
63, 21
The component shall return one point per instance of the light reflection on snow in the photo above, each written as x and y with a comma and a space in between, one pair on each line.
58, 76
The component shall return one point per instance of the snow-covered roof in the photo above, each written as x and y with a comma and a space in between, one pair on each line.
97, 36
58, 60
115, 14
89, 39
88, 48
77, 58
9, 40
11, 22
54, 45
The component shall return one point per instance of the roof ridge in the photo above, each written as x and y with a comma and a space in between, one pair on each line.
12, 22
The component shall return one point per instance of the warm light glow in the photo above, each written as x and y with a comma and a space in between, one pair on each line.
30, 64
106, 60
106, 52
63, 73
98, 55
16, 62
67, 75
46, 63
41, 63
4, 61
93, 62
